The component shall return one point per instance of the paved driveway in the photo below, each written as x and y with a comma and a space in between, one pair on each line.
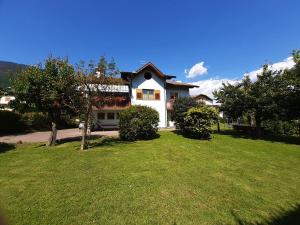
44, 135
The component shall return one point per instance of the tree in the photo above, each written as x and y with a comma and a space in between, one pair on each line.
257, 100
181, 105
94, 84
289, 91
43, 89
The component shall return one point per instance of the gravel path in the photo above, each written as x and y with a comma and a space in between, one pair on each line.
44, 135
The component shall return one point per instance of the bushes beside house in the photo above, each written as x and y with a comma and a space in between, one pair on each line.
138, 122
14, 122
198, 121
181, 106
11, 122
193, 119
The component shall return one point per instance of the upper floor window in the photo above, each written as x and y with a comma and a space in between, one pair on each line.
147, 75
147, 94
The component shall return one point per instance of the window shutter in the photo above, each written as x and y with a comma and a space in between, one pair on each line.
157, 94
139, 94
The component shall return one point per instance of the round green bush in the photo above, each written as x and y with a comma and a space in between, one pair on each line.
138, 122
181, 106
198, 121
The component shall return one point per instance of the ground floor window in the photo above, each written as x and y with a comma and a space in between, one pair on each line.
101, 116
111, 116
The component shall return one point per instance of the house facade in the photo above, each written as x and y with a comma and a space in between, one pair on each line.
147, 86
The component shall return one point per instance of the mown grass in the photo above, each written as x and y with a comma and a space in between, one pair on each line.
168, 180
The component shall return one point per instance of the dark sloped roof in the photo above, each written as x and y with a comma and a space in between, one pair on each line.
203, 96
180, 84
147, 66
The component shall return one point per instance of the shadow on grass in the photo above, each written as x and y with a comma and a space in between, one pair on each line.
106, 142
272, 138
5, 147
113, 141
178, 132
285, 217
77, 138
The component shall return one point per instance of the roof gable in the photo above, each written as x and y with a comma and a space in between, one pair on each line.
147, 67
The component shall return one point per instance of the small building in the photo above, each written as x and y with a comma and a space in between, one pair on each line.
5, 100
204, 99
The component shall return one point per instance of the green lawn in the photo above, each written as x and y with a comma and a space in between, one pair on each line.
169, 180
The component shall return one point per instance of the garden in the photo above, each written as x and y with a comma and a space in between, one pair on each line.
168, 180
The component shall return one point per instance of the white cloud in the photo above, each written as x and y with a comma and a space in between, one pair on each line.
285, 64
197, 70
208, 86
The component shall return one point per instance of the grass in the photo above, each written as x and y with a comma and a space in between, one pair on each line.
169, 180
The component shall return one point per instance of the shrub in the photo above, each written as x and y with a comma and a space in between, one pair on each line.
181, 106
279, 127
36, 120
198, 121
138, 122
11, 122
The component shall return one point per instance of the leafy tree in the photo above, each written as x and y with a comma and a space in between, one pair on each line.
94, 84
289, 91
43, 89
258, 100
181, 105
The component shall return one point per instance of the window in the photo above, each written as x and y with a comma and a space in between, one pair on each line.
173, 95
101, 116
110, 116
139, 94
148, 94
147, 75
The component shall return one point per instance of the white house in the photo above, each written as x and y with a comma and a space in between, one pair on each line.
201, 98
147, 86
5, 100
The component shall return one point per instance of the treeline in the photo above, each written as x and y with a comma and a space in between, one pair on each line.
270, 104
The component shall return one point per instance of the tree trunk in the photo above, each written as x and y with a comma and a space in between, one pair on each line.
258, 127
84, 144
218, 126
53, 134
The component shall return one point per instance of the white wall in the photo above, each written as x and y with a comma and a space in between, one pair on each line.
156, 83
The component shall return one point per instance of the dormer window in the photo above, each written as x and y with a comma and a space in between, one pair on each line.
147, 75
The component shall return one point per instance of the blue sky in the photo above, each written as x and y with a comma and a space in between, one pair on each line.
229, 37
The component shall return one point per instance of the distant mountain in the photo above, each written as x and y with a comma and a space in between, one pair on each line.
7, 71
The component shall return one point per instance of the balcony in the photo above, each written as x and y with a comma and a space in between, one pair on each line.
112, 103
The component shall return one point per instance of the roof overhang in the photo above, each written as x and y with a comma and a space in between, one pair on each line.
147, 67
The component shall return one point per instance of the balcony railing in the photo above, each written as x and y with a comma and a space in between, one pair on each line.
106, 103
